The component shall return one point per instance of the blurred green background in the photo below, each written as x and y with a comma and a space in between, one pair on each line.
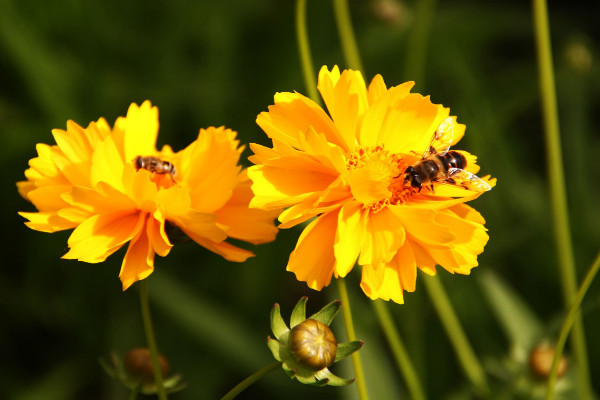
219, 63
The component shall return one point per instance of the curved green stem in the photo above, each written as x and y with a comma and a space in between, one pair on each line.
558, 197
344, 24
399, 351
417, 41
158, 379
568, 324
304, 49
462, 348
134, 393
240, 387
358, 369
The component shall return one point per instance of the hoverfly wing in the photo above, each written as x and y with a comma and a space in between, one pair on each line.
467, 180
442, 138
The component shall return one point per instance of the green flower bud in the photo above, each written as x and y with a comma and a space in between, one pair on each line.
313, 344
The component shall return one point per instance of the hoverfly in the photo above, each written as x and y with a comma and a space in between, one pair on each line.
439, 164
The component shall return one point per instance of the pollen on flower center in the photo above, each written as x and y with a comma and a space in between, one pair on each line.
376, 177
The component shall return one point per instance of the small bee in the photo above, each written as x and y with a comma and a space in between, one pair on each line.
439, 164
154, 164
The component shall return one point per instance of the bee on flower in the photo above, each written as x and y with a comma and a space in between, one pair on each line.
376, 176
113, 187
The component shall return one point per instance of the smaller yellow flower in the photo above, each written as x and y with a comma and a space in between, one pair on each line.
113, 187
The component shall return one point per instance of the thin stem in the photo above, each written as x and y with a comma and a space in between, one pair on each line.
344, 24
358, 369
462, 348
568, 324
418, 39
304, 48
558, 197
243, 385
134, 393
158, 379
399, 351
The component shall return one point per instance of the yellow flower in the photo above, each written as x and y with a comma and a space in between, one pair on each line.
351, 170
113, 187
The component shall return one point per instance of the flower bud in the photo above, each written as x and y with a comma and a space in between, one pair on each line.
138, 364
313, 344
540, 361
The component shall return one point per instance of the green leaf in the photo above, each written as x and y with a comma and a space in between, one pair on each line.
517, 319
299, 312
326, 314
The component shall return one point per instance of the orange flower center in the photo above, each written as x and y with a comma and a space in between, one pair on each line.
376, 177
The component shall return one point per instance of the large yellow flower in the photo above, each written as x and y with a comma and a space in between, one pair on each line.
113, 187
350, 170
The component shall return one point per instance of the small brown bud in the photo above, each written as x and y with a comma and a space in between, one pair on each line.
313, 344
138, 364
540, 361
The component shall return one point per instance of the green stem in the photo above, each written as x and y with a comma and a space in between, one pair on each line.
418, 39
158, 379
344, 24
399, 351
358, 369
134, 393
462, 348
243, 385
558, 197
568, 324
304, 49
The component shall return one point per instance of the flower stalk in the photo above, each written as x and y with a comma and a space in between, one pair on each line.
356, 362
458, 338
304, 50
147, 320
399, 350
347, 37
570, 320
243, 385
558, 196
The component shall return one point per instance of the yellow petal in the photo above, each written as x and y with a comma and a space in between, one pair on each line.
313, 259
157, 236
101, 235
47, 221
100, 200
303, 212
107, 165
384, 234
346, 101
210, 165
376, 127
251, 225
140, 131
48, 197
278, 187
421, 226
138, 262
349, 236
376, 89
175, 206
371, 280
291, 115
224, 249
410, 124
